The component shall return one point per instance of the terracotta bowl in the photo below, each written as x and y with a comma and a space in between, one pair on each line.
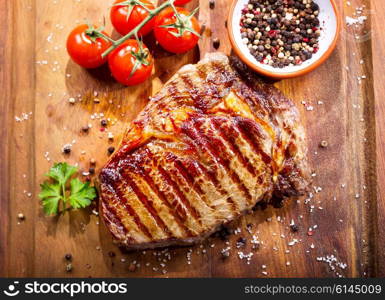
330, 20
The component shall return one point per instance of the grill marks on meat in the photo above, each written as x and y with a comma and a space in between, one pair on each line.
207, 148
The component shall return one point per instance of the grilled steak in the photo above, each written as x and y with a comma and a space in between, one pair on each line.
209, 146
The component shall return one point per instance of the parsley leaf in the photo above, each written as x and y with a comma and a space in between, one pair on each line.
81, 194
54, 192
61, 172
50, 195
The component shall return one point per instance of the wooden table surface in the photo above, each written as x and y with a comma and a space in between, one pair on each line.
347, 209
378, 46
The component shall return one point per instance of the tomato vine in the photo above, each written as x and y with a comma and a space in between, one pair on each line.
182, 25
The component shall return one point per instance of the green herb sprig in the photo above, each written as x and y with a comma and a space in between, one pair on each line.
58, 196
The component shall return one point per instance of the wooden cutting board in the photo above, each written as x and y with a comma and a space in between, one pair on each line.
345, 213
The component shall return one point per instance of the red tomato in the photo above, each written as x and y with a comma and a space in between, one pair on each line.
85, 51
166, 37
130, 64
181, 2
124, 24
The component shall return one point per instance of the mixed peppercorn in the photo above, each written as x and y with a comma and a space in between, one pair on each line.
281, 33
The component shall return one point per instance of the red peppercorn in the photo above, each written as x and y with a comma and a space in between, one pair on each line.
272, 33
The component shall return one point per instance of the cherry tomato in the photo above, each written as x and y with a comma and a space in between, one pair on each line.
85, 48
166, 37
130, 63
124, 24
181, 2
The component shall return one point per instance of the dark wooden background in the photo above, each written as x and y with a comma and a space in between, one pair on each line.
37, 77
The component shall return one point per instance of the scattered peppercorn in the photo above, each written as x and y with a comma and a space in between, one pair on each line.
111, 254
68, 256
294, 228
67, 149
111, 150
85, 128
212, 4
241, 242
281, 33
103, 123
216, 43
91, 170
323, 144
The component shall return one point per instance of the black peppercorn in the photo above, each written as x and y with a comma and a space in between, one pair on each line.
314, 6
111, 150
68, 256
241, 242
216, 43
67, 149
294, 228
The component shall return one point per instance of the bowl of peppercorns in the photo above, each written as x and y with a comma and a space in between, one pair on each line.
283, 38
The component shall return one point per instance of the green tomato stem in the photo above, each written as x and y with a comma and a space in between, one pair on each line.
103, 36
135, 31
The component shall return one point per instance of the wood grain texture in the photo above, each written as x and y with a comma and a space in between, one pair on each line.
5, 86
346, 211
378, 46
